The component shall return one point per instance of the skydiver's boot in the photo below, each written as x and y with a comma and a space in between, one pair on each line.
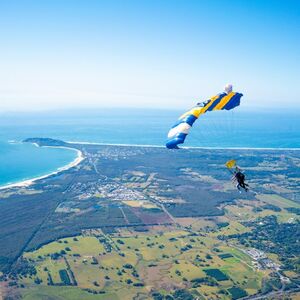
246, 187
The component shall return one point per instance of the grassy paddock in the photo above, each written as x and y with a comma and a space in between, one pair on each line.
156, 259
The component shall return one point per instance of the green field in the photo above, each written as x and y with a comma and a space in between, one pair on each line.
108, 266
137, 263
122, 226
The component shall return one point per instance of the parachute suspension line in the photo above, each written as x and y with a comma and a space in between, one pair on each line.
205, 134
199, 135
217, 130
233, 126
222, 128
209, 132
227, 128
229, 133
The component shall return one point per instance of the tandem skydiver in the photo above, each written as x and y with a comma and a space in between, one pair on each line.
240, 178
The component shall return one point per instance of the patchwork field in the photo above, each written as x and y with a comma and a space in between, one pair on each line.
130, 261
120, 226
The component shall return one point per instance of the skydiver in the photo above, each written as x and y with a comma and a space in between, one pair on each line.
240, 178
227, 89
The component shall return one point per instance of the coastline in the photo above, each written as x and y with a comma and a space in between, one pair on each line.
186, 147
80, 157
27, 182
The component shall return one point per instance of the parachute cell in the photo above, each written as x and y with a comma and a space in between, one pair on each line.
223, 101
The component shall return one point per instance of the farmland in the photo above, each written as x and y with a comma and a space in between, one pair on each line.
120, 226
158, 260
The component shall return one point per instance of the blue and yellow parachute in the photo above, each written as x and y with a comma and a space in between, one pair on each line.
181, 129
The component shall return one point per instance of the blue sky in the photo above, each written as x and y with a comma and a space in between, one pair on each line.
147, 53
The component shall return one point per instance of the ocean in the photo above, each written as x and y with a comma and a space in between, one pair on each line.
259, 128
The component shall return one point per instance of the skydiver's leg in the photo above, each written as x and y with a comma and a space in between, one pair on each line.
244, 186
240, 185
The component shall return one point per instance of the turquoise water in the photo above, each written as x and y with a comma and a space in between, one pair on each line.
25, 161
249, 129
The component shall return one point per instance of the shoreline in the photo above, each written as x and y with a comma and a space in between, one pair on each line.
185, 147
80, 157
27, 182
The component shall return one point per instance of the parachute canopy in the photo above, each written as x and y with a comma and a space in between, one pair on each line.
181, 129
231, 164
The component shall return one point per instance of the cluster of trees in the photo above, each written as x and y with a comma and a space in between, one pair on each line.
237, 293
269, 235
181, 294
271, 207
196, 282
23, 267
294, 210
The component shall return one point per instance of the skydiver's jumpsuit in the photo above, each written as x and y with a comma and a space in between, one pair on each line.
240, 177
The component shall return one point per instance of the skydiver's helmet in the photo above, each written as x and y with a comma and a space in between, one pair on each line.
228, 88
